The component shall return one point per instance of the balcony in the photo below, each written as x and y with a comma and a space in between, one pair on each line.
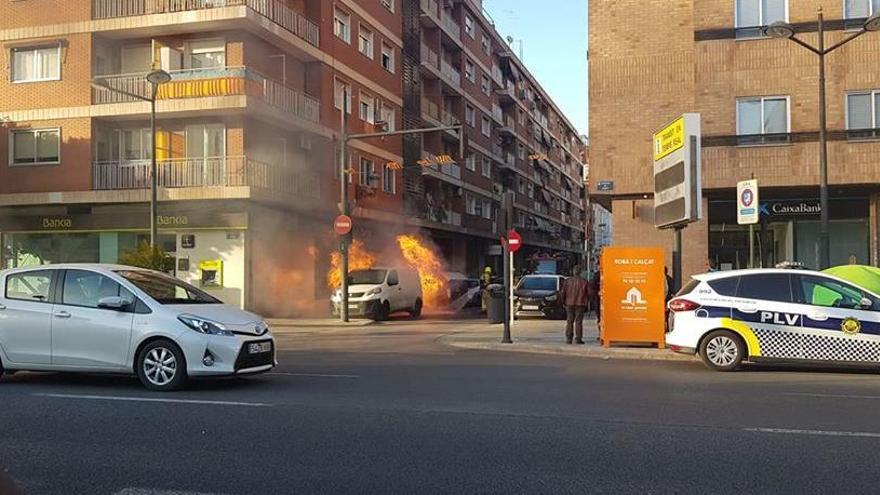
225, 171
497, 77
509, 126
497, 113
450, 74
430, 109
430, 59
506, 94
274, 10
203, 83
430, 12
447, 118
450, 25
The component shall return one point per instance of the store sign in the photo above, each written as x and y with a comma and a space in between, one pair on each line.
677, 182
791, 208
56, 223
747, 202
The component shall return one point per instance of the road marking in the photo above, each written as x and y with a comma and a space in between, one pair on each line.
312, 375
825, 433
149, 399
150, 491
833, 396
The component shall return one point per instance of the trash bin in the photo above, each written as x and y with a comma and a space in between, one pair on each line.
495, 302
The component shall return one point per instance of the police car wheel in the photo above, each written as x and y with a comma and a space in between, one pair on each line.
722, 350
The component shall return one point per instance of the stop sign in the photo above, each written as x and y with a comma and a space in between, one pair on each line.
342, 225
514, 240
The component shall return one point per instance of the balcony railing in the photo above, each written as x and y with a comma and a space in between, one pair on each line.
450, 73
450, 24
223, 171
431, 7
430, 108
201, 83
274, 10
448, 118
430, 57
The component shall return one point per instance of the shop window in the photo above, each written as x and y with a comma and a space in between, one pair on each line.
342, 25
36, 64
762, 120
35, 147
861, 114
206, 54
752, 15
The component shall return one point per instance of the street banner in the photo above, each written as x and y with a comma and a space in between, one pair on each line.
747, 211
633, 296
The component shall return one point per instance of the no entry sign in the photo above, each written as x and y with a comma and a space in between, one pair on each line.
342, 225
514, 241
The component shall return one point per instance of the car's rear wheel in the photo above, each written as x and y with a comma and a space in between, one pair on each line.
161, 366
416, 311
722, 350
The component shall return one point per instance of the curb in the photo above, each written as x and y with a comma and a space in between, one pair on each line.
585, 351
315, 323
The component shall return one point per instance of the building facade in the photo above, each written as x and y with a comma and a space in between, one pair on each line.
246, 140
758, 100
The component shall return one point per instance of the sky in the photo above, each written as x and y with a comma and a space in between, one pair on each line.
554, 42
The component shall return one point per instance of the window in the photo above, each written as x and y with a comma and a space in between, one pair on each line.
470, 205
388, 180
469, 26
342, 25
136, 144
531, 190
520, 151
136, 58
470, 116
29, 286
388, 4
367, 174
766, 287
861, 114
387, 57
487, 209
827, 293
762, 120
485, 85
487, 167
367, 108
486, 45
393, 278
365, 41
470, 71
389, 117
486, 127
860, 9
85, 288
205, 54
521, 116
471, 162
521, 186
165, 289
36, 64
341, 88
35, 147
753, 15
205, 141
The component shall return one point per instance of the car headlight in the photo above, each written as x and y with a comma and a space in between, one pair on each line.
204, 326
550, 298
374, 291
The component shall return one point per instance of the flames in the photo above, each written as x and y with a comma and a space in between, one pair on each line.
358, 259
423, 259
414, 250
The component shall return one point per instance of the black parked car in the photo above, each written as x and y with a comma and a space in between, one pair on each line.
539, 295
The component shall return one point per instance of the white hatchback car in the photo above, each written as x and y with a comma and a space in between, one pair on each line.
774, 314
119, 319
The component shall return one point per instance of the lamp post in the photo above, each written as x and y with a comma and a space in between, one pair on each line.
784, 30
155, 78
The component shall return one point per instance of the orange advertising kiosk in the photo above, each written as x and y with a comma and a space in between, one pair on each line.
633, 296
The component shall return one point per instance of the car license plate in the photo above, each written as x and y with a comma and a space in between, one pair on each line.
530, 307
259, 347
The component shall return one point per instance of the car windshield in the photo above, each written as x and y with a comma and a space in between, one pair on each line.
367, 277
538, 283
167, 290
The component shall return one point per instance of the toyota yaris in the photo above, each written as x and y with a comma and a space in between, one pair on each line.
119, 319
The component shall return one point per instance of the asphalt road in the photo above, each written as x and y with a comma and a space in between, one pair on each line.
387, 410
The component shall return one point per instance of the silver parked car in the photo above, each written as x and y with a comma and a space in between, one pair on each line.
119, 319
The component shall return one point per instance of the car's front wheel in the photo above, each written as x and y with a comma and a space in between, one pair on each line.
161, 366
722, 350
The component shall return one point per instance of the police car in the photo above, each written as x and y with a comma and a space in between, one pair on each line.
775, 315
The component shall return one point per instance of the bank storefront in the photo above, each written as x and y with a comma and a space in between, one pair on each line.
207, 241
789, 231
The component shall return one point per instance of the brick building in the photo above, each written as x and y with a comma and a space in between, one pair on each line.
246, 139
758, 98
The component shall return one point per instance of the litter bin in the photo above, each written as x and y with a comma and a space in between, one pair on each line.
495, 302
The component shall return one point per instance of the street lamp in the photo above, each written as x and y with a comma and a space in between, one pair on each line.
155, 78
783, 30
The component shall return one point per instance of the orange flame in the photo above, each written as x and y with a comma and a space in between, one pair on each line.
358, 259
430, 267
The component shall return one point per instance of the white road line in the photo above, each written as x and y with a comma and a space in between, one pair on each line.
149, 399
151, 491
825, 433
833, 396
312, 375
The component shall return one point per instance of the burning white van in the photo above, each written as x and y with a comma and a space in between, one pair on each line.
378, 292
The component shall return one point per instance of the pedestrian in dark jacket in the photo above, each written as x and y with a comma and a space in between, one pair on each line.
574, 296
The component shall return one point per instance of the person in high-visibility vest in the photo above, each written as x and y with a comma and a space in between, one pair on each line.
486, 279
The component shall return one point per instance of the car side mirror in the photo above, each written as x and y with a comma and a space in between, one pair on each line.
866, 303
115, 303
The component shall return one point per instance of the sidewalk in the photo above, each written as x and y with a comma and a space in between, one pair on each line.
548, 337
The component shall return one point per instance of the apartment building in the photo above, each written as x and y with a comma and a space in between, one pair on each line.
758, 98
459, 70
246, 140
